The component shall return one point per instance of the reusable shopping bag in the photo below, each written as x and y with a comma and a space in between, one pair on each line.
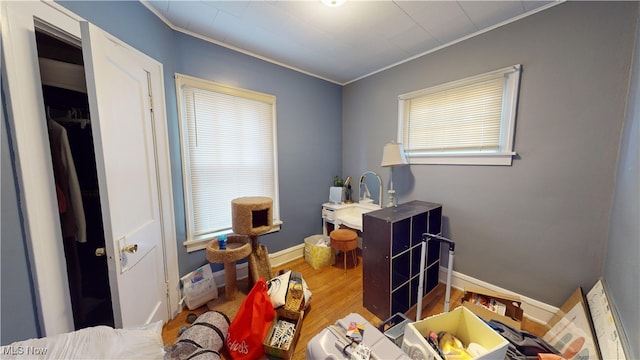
251, 324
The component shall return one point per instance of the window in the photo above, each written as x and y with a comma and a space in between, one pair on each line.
470, 121
228, 138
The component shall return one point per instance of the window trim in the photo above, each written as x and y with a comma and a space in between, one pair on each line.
509, 109
193, 241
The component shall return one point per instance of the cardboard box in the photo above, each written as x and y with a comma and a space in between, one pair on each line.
287, 351
510, 312
461, 323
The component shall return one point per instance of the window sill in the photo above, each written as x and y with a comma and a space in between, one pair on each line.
503, 159
201, 243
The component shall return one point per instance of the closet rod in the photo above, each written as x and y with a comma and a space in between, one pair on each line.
81, 121
70, 118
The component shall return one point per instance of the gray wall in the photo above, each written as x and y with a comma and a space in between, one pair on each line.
538, 227
135, 25
309, 143
308, 115
621, 265
309, 140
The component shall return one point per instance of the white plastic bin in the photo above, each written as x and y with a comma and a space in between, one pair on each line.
461, 323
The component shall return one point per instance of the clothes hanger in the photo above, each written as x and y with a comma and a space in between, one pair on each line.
74, 116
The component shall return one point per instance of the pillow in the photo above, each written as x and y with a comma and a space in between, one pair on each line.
278, 287
98, 342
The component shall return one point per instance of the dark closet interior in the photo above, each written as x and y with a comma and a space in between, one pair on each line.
68, 106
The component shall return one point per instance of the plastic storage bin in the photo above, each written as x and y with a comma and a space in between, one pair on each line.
329, 342
318, 256
461, 323
393, 327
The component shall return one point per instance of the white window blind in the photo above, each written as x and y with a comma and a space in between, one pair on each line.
229, 151
461, 119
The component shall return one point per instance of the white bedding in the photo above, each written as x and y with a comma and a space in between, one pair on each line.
100, 342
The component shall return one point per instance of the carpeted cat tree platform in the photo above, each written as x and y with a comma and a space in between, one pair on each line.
253, 216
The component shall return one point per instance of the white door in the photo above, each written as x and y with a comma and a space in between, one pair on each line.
120, 101
19, 20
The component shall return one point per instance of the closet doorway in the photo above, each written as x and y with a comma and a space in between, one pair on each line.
125, 92
67, 107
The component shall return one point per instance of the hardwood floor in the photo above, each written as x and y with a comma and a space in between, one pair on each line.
335, 295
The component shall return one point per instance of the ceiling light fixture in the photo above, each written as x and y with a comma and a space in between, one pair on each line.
333, 3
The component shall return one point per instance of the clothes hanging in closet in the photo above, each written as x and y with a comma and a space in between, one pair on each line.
73, 195
64, 176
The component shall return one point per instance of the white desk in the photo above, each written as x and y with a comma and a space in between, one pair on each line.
349, 215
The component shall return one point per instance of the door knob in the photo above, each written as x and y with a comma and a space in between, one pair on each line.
101, 251
130, 248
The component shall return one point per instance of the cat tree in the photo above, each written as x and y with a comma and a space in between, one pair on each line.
253, 216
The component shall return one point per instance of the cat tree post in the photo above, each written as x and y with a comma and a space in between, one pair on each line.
238, 247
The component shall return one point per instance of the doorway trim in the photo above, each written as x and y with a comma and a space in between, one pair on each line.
37, 197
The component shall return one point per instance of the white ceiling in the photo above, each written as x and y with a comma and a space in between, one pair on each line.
339, 44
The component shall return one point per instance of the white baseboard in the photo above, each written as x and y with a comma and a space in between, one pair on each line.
242, 272
533, 309
276, 259
284, 256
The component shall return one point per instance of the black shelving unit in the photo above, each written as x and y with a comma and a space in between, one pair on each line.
391, 240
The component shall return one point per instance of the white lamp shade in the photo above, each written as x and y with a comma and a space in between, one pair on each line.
393, 155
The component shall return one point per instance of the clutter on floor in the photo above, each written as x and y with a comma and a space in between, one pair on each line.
281, 342
522, 344
607, 328
460, 323
577, 330
393, 327
291, 296
268, 323
282, 334
282, 337
269, 319
333, 342
250, 325
199, 287
203, 339
587, 326
494, 305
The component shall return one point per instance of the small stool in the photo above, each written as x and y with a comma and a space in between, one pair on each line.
345, 240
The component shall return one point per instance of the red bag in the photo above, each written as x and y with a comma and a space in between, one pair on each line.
251, 324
